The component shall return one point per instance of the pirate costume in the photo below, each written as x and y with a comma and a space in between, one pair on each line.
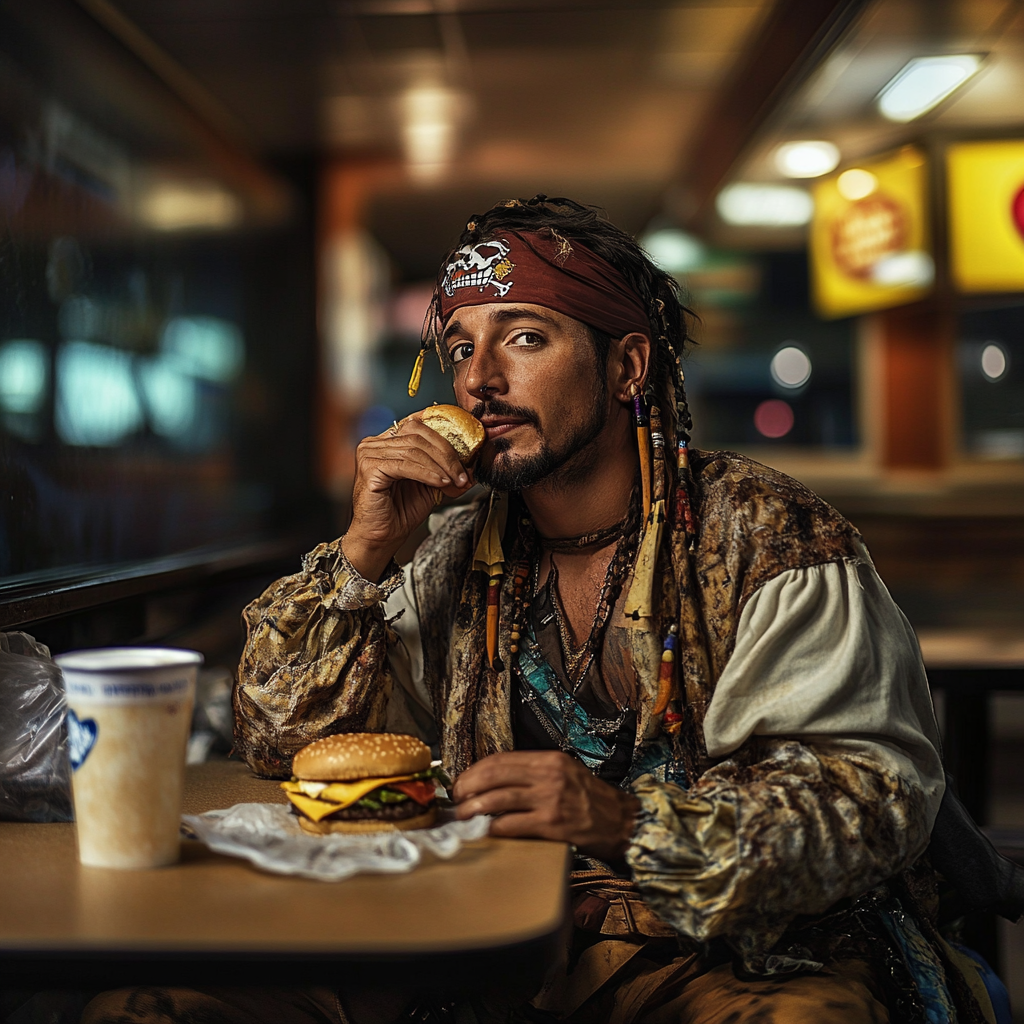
747, 676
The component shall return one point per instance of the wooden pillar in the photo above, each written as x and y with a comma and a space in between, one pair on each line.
347, 186
914, 383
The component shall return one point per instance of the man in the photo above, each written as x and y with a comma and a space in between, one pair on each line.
698, 678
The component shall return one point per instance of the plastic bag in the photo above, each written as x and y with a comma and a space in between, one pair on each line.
35, 774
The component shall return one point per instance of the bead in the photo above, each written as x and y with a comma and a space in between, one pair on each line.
514, 649
515, 635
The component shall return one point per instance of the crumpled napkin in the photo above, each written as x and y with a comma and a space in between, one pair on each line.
269, 836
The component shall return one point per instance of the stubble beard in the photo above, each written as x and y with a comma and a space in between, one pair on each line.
559, 467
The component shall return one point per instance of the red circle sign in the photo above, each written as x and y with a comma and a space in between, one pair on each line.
1018, 210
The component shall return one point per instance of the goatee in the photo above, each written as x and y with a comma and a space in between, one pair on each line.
563, 465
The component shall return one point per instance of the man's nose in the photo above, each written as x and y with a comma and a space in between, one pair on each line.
484, 378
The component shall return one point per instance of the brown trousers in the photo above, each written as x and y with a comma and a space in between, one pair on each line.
643, 992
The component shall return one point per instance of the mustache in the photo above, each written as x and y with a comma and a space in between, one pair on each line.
496, 407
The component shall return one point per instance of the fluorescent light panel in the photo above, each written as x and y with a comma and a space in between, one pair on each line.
808, 158
924, 82
766, 206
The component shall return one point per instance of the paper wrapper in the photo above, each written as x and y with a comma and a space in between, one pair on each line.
270, 836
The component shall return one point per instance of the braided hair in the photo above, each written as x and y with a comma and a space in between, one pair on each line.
659, 292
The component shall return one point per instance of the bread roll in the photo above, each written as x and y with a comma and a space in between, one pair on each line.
463, 431
360, 755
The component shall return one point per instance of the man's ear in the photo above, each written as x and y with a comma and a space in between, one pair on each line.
632, 361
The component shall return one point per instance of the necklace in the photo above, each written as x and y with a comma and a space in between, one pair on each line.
526, 572
572, 656
584, 540
578, 658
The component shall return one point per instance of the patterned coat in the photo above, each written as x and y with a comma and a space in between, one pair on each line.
775, 830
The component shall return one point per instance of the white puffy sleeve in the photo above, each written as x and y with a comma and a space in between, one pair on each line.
409, 709
823, 655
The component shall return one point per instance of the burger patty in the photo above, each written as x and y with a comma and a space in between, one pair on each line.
388, 812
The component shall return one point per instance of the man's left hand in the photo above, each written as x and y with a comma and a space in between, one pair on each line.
545, 794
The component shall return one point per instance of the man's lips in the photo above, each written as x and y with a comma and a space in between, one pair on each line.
495, 426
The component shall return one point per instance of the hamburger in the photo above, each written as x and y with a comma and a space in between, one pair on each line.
363, 782
463, 431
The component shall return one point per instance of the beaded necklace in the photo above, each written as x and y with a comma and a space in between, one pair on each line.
525, 583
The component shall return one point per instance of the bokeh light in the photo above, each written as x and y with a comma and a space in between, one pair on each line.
170, 397
856, 183
809, 158
994, 361
769, 206
913, 269
206, 347
24, 371
97, 403
674, 251
773, 418
791, 367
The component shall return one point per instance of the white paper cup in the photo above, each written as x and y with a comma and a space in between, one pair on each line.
129, 712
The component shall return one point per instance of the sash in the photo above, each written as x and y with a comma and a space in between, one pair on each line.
579, 733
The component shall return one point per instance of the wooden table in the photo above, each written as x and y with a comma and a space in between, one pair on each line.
497, 908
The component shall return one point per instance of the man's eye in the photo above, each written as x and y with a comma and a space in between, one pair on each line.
461, 351
527, 338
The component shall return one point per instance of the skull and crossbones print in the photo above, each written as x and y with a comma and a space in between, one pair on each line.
479, 266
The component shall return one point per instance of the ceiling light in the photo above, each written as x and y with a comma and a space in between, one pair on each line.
807, 159
925, 82
173, 206
674, 251
766, 206
430, 114
856, 183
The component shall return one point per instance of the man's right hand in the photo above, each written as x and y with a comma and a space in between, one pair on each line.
397, 477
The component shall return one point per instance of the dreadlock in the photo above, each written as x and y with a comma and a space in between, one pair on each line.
564, 220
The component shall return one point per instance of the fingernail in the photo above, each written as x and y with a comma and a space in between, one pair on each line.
445, 481
463, 479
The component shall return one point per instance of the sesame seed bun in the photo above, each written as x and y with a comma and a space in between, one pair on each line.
322, 828
464, 432
360, 755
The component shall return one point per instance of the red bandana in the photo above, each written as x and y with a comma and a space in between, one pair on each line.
528, 267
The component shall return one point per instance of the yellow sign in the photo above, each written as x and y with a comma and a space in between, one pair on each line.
869, 237
986, 215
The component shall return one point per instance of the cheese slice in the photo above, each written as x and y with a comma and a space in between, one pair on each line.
315, 809
335, 795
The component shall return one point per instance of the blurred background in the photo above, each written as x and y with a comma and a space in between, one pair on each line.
221, 220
